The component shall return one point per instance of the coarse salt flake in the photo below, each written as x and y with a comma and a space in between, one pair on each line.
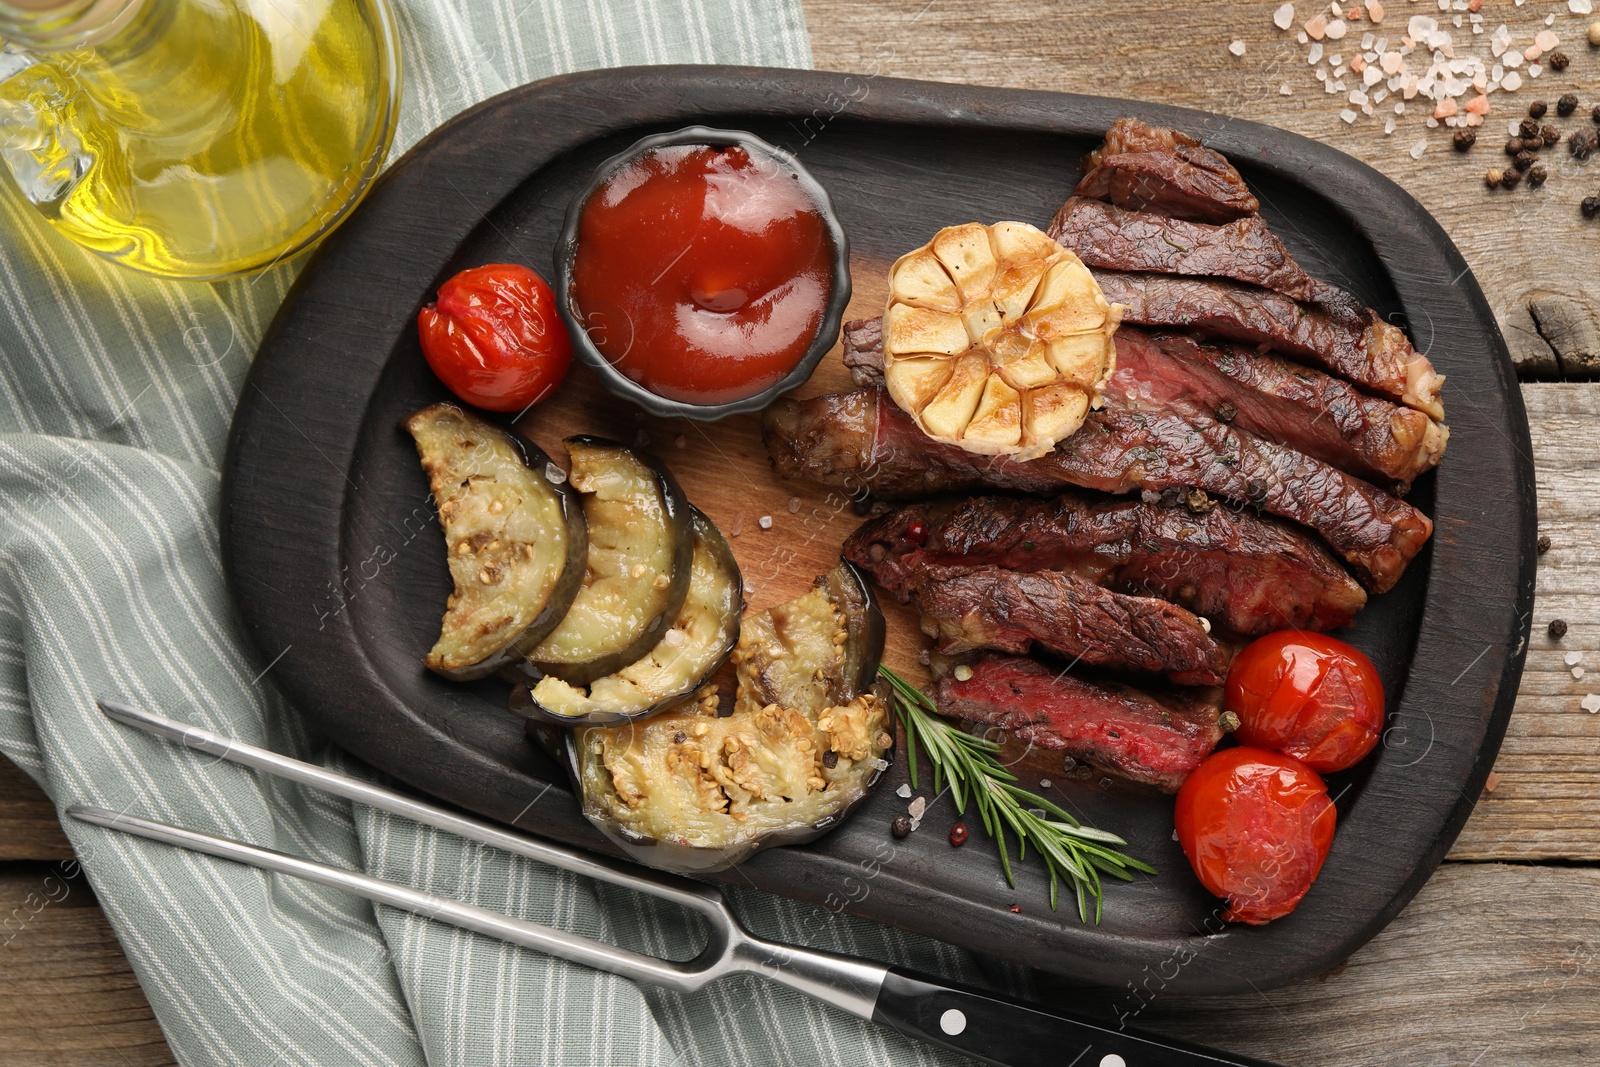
1511, 82
1337, 29
1577, 672
765, 522
1572, 658
1283, 18
1388, 125
1546, 40
1317, 26
1314, 54
1371, 76
1284, 90
1419, 148
554, 474
1358, 98
903, 792
1580, 7
918, 806
1591, 703
1392, 62
1236, 48
1348, 115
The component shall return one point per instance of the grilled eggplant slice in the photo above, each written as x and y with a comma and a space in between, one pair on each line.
691, 790
516, 540
690, 652
641, 551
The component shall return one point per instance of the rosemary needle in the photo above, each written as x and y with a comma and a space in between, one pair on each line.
1072, 852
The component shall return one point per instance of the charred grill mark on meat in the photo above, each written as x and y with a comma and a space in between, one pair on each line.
1156, 739
1152, 168
1106, 236
862, 441
1249, 573
1370, 353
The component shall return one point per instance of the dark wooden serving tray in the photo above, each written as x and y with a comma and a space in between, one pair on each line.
334, 554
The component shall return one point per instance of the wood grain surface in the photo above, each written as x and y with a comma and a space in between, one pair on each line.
1493, 962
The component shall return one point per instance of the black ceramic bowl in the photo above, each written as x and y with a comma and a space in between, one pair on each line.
627, 388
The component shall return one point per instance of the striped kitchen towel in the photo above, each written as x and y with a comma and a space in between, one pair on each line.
115, 395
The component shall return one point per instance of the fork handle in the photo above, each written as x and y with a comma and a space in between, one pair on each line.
999, 1030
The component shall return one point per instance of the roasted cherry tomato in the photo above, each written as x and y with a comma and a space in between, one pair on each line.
1308, 695
1256, 826
494, 337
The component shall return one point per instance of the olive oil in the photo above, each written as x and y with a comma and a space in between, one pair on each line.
199, 138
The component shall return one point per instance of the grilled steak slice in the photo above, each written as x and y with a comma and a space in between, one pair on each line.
1107, 236
1152, 168
1155, 739
1371, 353
965, 608
1326, 418
1249, 573
863, 350
860, 440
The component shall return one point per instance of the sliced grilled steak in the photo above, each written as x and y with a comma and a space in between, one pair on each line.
1110, 237
1326, 418
862, 441
1152, 168
965, 608
1371, 353
1155, 739
863, 350
1250, 574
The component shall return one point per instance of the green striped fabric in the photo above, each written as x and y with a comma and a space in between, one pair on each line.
115, 397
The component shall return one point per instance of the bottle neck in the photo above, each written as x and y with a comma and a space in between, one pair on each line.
63, 25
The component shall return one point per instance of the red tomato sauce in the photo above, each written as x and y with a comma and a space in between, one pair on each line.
702, 274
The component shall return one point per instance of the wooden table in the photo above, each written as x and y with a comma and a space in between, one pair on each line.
1498, 959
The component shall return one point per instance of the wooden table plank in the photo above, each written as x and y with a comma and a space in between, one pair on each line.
28, 826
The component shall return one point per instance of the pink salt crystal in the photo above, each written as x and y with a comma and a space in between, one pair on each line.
1478, 105
1546, 40
1358, 64
1317, 27
1532, 53
1445, 108
1375, 11
1474, 120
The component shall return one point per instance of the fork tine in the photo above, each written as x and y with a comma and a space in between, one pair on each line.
620, 961
704, 899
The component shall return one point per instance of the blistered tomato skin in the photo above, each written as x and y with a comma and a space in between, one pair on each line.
702, 273
494, 337
1309, 695
1256, 826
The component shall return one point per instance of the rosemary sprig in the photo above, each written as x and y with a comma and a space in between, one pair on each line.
1072, 852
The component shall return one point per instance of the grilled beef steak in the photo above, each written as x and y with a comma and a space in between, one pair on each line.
1328, 419
969, 607
860, 440
1153, 739
1248, 573
1371, 353
1152, 168
1110, 237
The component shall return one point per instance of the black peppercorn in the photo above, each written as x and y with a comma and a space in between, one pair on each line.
679, 738
830, 759
1537, 175
1595, 114
1559, 60
1528, 130
1567, 104
1550, 134
1511, 178
1256, 490
1465, 139
1543, 544
1582, 143
1524, 160
1226, 412
958, 835
901, 826
1537, 109
1558, 629
1590, 206
1514, 146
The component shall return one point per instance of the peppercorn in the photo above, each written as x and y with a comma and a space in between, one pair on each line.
901, 827
1537, 175
679, 738
1524, 160
1582, 143
958, 835
1543, 544
1590, 206
1465, 139
1550, 134
1567, 104
1558, 629
830, 759
1594, 34
1528, 130
1492, 176
1226, 412
1595, 113
1256, 490
917, 532
1558, 60
1537, 109
1514, 146
1511, 178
